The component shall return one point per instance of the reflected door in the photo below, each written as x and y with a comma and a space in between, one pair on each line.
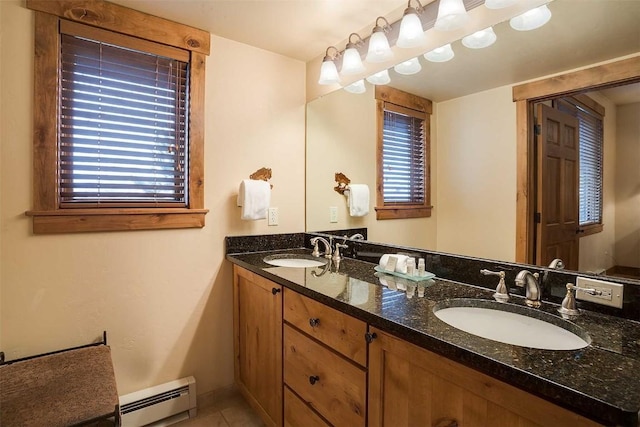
557, 187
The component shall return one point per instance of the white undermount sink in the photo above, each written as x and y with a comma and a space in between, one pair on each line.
294, 260
512, 324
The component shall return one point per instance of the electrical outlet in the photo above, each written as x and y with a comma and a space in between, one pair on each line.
272, 216
333, 214
607, 293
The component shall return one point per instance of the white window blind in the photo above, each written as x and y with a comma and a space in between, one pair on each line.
403, 156
123, 126
591, 142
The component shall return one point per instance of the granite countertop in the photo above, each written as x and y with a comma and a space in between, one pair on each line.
600, 381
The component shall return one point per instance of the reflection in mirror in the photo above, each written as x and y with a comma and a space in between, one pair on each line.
473, 134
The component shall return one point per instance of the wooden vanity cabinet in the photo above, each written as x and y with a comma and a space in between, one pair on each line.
257, 321
411, 386
325, 357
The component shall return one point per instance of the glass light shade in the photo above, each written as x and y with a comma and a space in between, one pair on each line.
351, 62
531, 19
451, 15
409, 67
379, 50
356, 87
499, 4
328, 73
480, 39
380, 78
411, 33
440, 54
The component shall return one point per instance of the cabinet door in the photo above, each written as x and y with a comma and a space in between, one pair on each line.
257, 320
410, 386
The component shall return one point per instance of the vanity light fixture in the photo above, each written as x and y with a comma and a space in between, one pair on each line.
411, 33
351, 62
411, 66
379, 78
379, 50
499, 4
451, 15
531, 19
480, 39
328, 71
356, 87
440, 54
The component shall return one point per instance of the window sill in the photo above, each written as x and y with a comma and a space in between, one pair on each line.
587, 230
88, 220
402, 212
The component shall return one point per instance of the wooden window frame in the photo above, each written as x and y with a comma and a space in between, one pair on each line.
616, 73
384, 94
47, 215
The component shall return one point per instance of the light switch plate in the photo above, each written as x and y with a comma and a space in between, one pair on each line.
610, 293
333, 214
272, 216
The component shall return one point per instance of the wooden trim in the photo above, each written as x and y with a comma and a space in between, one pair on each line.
606, 75
45, 112
615, 73
402, 212
405, 99
196, 131
115, 211
111, 16
51, 224
588, 230
590, 103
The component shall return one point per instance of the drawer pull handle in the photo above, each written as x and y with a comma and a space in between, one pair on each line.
313, 322
313, 379
446, 423
370, 336
275, 290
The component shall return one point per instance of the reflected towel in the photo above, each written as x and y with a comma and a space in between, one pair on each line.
401, 265
254, 196
358, 199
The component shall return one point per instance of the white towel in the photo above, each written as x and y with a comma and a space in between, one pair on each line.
401, 265
358, 199
254, 196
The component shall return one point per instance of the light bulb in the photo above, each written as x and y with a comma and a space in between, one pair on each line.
451, 15
351, 62
480, 39
531, 19
412, 66
328, 72
411, 33
379, 50
440, 54
379, 78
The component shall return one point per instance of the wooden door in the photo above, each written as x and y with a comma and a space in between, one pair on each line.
557, 187
410, 386
257, 322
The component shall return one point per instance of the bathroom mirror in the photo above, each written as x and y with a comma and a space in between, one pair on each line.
473, 134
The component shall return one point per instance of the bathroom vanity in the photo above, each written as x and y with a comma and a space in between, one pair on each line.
332, 345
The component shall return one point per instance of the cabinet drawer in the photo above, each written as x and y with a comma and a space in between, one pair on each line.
337, 330
297, 413
333, 386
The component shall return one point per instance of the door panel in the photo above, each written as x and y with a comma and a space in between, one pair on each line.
557, 198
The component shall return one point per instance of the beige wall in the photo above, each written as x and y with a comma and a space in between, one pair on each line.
341, 137
627, 249
163, 296
476, 175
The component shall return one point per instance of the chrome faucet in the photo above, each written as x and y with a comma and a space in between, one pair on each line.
529, 281
336, 253
502, 292
356, 236
327, 247
557, 264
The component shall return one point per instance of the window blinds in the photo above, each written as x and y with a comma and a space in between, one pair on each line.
591, 142
123, 126
403, 157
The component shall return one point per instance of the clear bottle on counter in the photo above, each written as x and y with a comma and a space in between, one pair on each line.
411, 266
421, 270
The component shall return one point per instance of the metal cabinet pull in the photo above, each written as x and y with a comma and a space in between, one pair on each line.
313, 379
370, 336
275, 290
313, 322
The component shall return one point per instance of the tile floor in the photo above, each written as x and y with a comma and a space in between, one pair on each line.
228, 411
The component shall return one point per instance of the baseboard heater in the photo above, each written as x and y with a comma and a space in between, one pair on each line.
161, 405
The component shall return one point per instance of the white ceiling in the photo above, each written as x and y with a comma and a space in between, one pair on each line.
580, 32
